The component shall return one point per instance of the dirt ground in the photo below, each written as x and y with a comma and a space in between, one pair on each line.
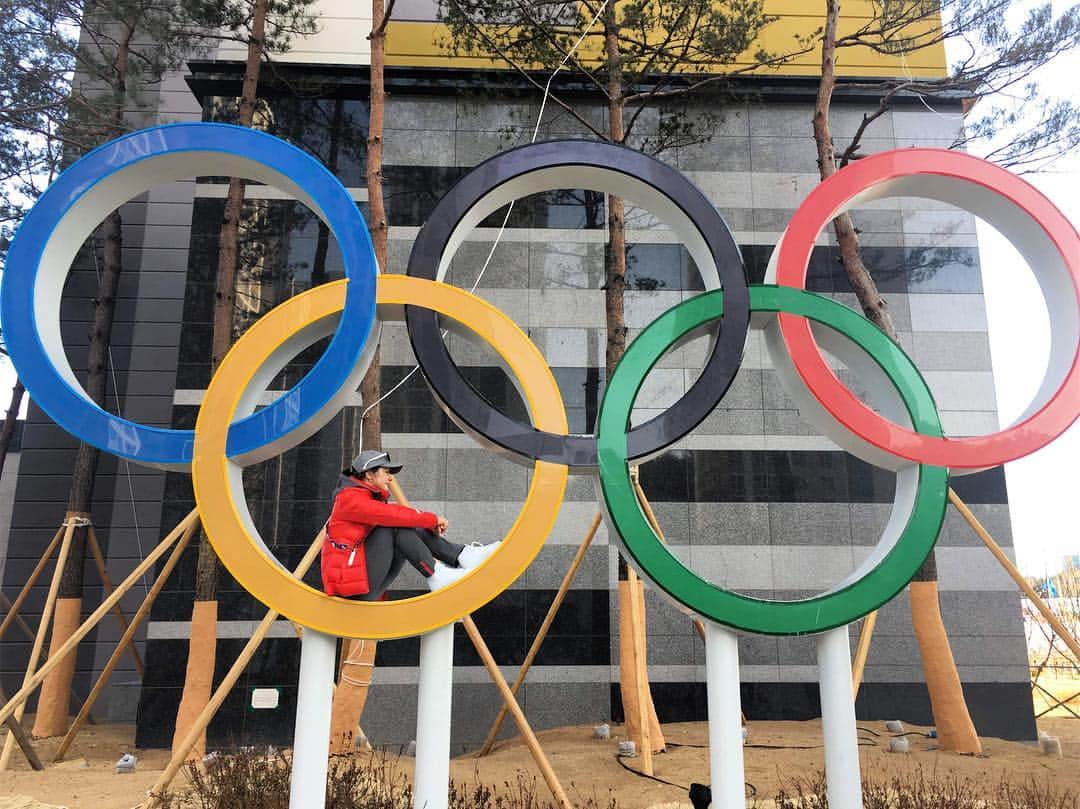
587, 767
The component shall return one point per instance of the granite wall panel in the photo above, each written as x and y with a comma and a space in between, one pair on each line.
754, 498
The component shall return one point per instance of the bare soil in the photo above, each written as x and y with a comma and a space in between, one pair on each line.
777, 753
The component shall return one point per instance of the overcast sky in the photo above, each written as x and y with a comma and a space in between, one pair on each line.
1044, 488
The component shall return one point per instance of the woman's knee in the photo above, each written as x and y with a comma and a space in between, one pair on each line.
407, 537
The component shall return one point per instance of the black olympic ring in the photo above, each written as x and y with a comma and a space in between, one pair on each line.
617, 170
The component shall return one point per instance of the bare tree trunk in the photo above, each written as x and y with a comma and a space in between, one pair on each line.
614, 306
371, 429
7, 432
955, 728
202, 650
53, 703
358, 656
873, 304
322, 242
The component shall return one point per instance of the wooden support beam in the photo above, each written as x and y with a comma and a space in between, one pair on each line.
641, 674
180, 751
858, 665
24, 593
1055, 703
95, 618
22, 738
126, 640
508, 697
568, 579
29, 635
650, 515
1018, 577
25, 628
511, 703
39, 640
107, 585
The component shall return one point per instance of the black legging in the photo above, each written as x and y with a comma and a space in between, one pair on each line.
387, 549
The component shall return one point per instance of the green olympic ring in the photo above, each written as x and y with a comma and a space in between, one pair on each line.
861, 593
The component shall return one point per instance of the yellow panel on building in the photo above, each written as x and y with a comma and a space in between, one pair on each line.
421, 41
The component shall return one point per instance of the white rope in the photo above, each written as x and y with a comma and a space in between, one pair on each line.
910, 76
125, 461
509, 210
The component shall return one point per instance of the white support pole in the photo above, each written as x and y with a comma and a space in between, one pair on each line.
314, 701
842, 777
725, 716
431, 781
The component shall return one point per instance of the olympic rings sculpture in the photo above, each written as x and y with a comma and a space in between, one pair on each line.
904, 434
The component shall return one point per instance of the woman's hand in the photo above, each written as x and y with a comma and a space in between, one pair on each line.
442, 524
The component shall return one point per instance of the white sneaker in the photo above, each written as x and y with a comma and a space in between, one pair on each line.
473, 554
444, 575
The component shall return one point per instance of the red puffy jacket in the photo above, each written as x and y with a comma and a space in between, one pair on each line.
358, 508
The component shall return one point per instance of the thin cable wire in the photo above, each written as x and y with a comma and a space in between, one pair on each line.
125, 461
509, 210
910, 76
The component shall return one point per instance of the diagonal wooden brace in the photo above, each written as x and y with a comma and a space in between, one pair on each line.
85, 628
526, 730
126, 640
541, 633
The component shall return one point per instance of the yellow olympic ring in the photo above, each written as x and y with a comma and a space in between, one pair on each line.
219, 490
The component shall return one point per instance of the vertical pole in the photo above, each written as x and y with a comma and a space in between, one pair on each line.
432, 779
838, 720
311, 739
641, 671
431, 782
726, 769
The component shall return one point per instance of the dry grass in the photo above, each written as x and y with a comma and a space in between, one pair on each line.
261, 778
923, 790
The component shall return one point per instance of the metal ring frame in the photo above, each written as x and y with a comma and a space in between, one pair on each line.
219, 490
908, 430
920, 501
1042, 235
658, 188
66, 214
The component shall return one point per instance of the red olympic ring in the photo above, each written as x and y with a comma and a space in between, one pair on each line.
993, 194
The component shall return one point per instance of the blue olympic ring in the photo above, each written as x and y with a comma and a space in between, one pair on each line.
65, 215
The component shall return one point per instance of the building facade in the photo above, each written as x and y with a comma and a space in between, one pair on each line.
753, 498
